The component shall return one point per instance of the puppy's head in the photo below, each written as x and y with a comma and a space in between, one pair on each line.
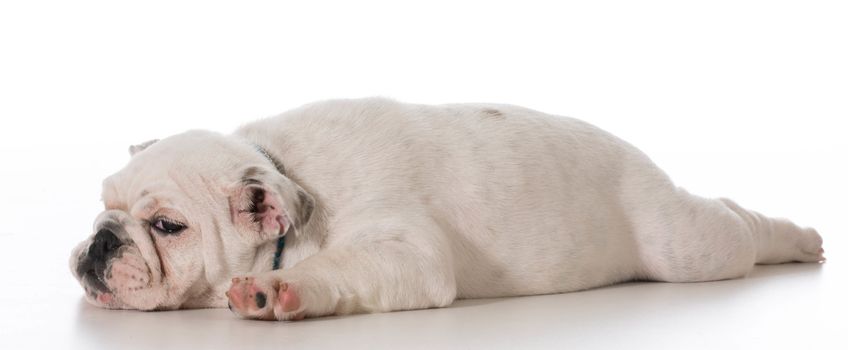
184, 216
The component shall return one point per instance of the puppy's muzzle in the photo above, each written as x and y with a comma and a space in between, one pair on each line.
92, 267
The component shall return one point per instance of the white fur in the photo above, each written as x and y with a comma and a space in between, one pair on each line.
418, 205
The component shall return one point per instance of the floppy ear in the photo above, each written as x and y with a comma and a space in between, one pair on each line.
141, 146
269, 203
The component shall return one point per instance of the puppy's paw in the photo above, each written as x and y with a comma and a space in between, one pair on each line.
810, 244
264, 298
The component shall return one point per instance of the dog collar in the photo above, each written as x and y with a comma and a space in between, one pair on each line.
278, 254
281, 242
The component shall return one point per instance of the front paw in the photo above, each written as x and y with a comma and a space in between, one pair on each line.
264, 298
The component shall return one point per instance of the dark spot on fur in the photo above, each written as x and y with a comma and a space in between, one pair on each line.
492, 113
260, 300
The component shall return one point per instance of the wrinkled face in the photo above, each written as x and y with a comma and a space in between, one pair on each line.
184, 216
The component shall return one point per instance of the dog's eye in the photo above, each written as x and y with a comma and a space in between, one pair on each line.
167, 226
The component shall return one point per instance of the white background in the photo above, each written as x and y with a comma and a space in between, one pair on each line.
745, 99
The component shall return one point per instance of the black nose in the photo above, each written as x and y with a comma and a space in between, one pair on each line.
104, 245
92, 267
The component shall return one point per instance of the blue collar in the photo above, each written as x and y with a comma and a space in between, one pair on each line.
278, 254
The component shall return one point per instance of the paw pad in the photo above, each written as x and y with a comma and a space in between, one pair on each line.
258, 298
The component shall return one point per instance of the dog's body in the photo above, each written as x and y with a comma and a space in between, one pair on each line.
389, 206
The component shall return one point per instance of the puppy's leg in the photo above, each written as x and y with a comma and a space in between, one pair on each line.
688, 238
368, 276
779, 240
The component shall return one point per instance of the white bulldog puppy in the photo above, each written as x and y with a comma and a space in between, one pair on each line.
373, 205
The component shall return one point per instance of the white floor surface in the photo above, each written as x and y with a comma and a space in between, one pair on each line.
797, 306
